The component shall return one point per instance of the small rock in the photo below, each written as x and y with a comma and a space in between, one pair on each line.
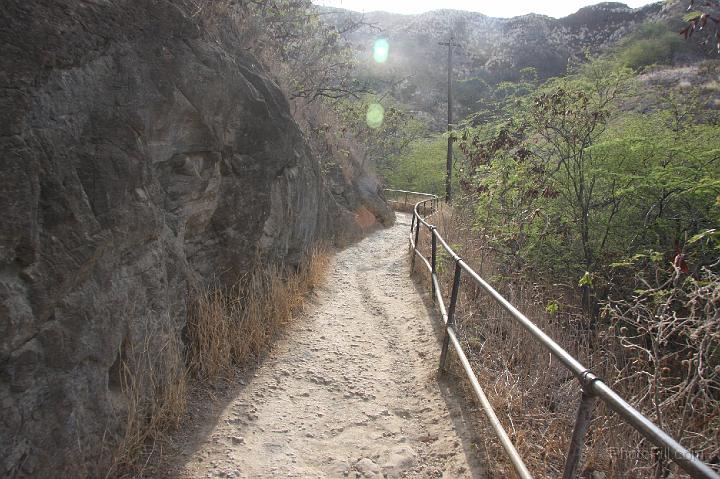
238, 440
402, 458
367, 467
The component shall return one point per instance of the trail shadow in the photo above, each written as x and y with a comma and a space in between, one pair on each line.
206, 404
464, 413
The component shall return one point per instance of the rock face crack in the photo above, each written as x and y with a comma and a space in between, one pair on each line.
351, 390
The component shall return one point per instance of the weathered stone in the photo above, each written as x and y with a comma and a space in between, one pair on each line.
139, 160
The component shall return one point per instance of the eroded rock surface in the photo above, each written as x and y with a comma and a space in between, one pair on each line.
139, 160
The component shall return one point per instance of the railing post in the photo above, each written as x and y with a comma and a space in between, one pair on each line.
414, 252
434, 253
451, 314
577, 441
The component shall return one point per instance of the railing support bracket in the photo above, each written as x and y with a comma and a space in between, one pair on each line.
451, 314
577, 440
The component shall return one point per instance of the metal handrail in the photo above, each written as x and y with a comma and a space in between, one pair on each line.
415, 193
591, 387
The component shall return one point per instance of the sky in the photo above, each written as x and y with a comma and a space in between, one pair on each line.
493, 8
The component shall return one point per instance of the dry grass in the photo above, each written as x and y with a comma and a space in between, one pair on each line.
225, 329
153, 382
228, 328
533, 395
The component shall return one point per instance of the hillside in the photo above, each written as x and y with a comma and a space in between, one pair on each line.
492, 49
197, 256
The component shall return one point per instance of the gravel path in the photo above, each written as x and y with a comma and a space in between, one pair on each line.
350, 391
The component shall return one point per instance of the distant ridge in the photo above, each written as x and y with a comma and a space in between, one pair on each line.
493, 49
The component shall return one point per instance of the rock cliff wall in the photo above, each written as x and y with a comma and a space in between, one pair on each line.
139, 160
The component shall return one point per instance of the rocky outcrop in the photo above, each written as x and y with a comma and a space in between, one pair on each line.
139, 160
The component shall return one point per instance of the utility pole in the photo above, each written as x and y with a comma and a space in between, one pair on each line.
448, 179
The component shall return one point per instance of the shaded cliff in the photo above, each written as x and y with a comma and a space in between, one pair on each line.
140, 160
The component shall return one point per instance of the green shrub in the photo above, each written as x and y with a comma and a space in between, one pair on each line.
652, 44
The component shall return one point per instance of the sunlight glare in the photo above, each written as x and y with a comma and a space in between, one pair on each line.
375, 115
381, 49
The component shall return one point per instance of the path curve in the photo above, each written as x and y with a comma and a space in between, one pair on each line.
351, 390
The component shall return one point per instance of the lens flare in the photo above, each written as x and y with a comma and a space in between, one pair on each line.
381, 49
375, 115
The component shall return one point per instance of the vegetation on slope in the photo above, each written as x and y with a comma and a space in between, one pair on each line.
592, 201
652, 44
421, 168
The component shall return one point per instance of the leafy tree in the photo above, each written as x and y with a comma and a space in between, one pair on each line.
395, 130
543, 155
575, 180
674, 162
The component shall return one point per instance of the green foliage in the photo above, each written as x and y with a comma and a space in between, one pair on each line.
496, 102
571, 183
691, 16
586, 279
552, 307
469, 92
420, 168
710, 235
671, 168
654, 43
389, 133
538, 174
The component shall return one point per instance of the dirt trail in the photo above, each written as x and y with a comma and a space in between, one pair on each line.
350, 391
